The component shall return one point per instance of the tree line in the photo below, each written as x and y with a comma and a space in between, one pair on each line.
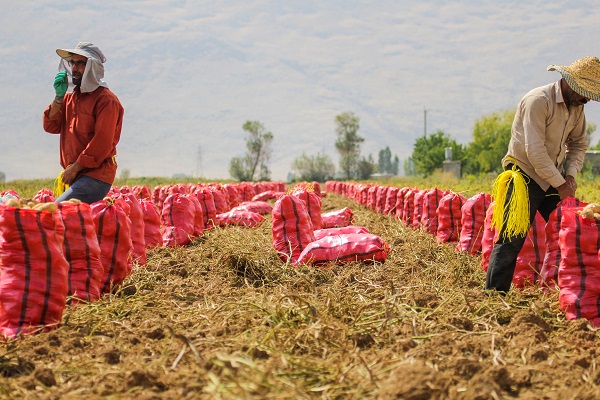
253, 166
483, 155
491, 135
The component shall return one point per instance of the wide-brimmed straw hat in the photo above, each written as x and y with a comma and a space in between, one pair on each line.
85, 49
583, 76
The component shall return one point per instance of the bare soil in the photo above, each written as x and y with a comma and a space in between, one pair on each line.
224, 318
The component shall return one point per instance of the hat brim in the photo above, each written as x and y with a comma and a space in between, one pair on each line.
67, 54
573, 83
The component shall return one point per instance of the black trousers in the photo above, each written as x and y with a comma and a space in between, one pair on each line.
503, 259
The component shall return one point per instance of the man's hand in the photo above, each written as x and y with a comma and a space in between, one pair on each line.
571, 181
70, 173
568, 188
61, 84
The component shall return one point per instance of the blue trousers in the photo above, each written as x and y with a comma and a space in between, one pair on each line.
503, 259
86, 189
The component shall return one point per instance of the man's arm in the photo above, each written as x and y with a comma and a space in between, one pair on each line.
577, 145
535, 111
52, 118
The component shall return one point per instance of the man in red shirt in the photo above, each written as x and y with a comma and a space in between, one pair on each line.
89, 120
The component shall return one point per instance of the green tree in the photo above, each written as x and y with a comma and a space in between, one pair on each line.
429, 152
395, 165
409, 167
2, 176
254, 163
386, 164
318, 168
491, 135
384, 161
365, 167
348, 142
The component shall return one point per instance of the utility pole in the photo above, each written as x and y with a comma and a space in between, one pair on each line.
424, 122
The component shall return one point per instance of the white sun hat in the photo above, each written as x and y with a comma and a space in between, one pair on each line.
94, 69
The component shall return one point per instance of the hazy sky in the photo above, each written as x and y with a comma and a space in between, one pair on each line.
190, 73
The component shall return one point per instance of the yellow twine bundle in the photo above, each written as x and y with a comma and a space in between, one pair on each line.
59, 185
517, 214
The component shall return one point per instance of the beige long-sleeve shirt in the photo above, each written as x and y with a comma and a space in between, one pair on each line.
544, 134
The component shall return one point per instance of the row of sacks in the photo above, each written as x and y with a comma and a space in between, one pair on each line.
562, 254
54, 252
302, 235
58, 251
450, 216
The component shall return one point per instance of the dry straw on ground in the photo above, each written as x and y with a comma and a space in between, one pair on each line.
225, 318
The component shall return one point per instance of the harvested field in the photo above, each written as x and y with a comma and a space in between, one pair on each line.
224, 318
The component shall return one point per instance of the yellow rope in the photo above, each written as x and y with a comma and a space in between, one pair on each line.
517, 217
59, 185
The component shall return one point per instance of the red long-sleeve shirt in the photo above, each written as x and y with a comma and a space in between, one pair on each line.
89, 125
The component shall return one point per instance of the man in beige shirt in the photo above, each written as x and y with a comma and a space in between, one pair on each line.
548, 144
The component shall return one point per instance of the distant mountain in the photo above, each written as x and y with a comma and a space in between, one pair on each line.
191, 73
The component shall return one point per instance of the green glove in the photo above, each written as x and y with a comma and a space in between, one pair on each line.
61, 84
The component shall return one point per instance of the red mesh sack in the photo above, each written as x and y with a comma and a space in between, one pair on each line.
400, 203
152, 234
44, 196
178, 218
579, 269
345, 248
113, 230
220, 200
321, 233
372, 197
409, 207
246, 191
160, 194
240, 218
390, 201
549, 271
337, 218
380, 198
156, 193
9, 193
82, 252
531, 256
472, 223
449, 217
317, 188
417, 208
431, 201
198, 216
136, 217
291, 227
207, 201
33, 278
233, 199
313, 206
142, 192
489, 237
260, 207
268, 195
